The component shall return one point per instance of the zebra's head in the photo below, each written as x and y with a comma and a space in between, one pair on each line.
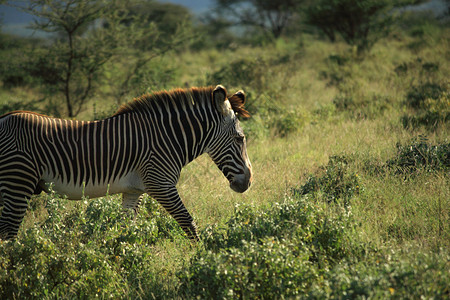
228, 149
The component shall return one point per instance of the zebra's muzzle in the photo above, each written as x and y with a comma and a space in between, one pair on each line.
241, 183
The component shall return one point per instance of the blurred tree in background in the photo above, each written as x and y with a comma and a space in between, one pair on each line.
270, 16
359, 22
72, 63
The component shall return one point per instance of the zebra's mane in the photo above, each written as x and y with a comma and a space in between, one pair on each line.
188, 95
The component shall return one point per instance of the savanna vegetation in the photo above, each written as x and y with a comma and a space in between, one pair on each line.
349, 141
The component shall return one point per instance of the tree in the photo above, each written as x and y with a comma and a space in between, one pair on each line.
270, 16
71, 64
359, 22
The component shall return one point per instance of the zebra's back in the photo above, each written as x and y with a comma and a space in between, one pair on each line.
78, 157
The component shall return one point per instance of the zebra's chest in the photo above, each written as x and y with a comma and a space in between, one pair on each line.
129, 183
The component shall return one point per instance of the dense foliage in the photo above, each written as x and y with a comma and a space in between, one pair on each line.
89, 248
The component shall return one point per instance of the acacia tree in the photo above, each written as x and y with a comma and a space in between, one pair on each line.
70, 66
359, 22
270, 16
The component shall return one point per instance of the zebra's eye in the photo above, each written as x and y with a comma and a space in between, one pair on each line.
239, 139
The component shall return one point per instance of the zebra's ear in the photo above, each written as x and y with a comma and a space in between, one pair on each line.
240, 95
219, 96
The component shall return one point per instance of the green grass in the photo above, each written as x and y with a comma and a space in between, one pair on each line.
362, 226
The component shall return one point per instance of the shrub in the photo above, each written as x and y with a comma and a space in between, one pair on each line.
340, 60
256, 270
424, 27
338, 70
362, 108
373, 167
16, 57
256, 127
418, 94
417, 68
412, 157
335, 184
418, 154
288, 122
96, 252
294, 218
305, 248
395, 274
270, 253
433, 112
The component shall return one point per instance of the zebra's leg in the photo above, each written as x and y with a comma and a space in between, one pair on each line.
132, 201
169, 198
14, 209
18, 181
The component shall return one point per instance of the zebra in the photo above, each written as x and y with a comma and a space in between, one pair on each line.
139, 150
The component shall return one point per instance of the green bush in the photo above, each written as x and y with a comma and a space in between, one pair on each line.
297, 217
415, 156
16, 57
288, 122
395, 274
156, 76
275, 122
425, 28
306, 248
362, 108
270, 253
425, 70
338, 70
336, 183
256, 127
419, 154
418, 94
96, 252
275, 267
373, 167
433, 112
266, 270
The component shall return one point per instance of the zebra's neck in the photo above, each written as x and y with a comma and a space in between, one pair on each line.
180, 129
